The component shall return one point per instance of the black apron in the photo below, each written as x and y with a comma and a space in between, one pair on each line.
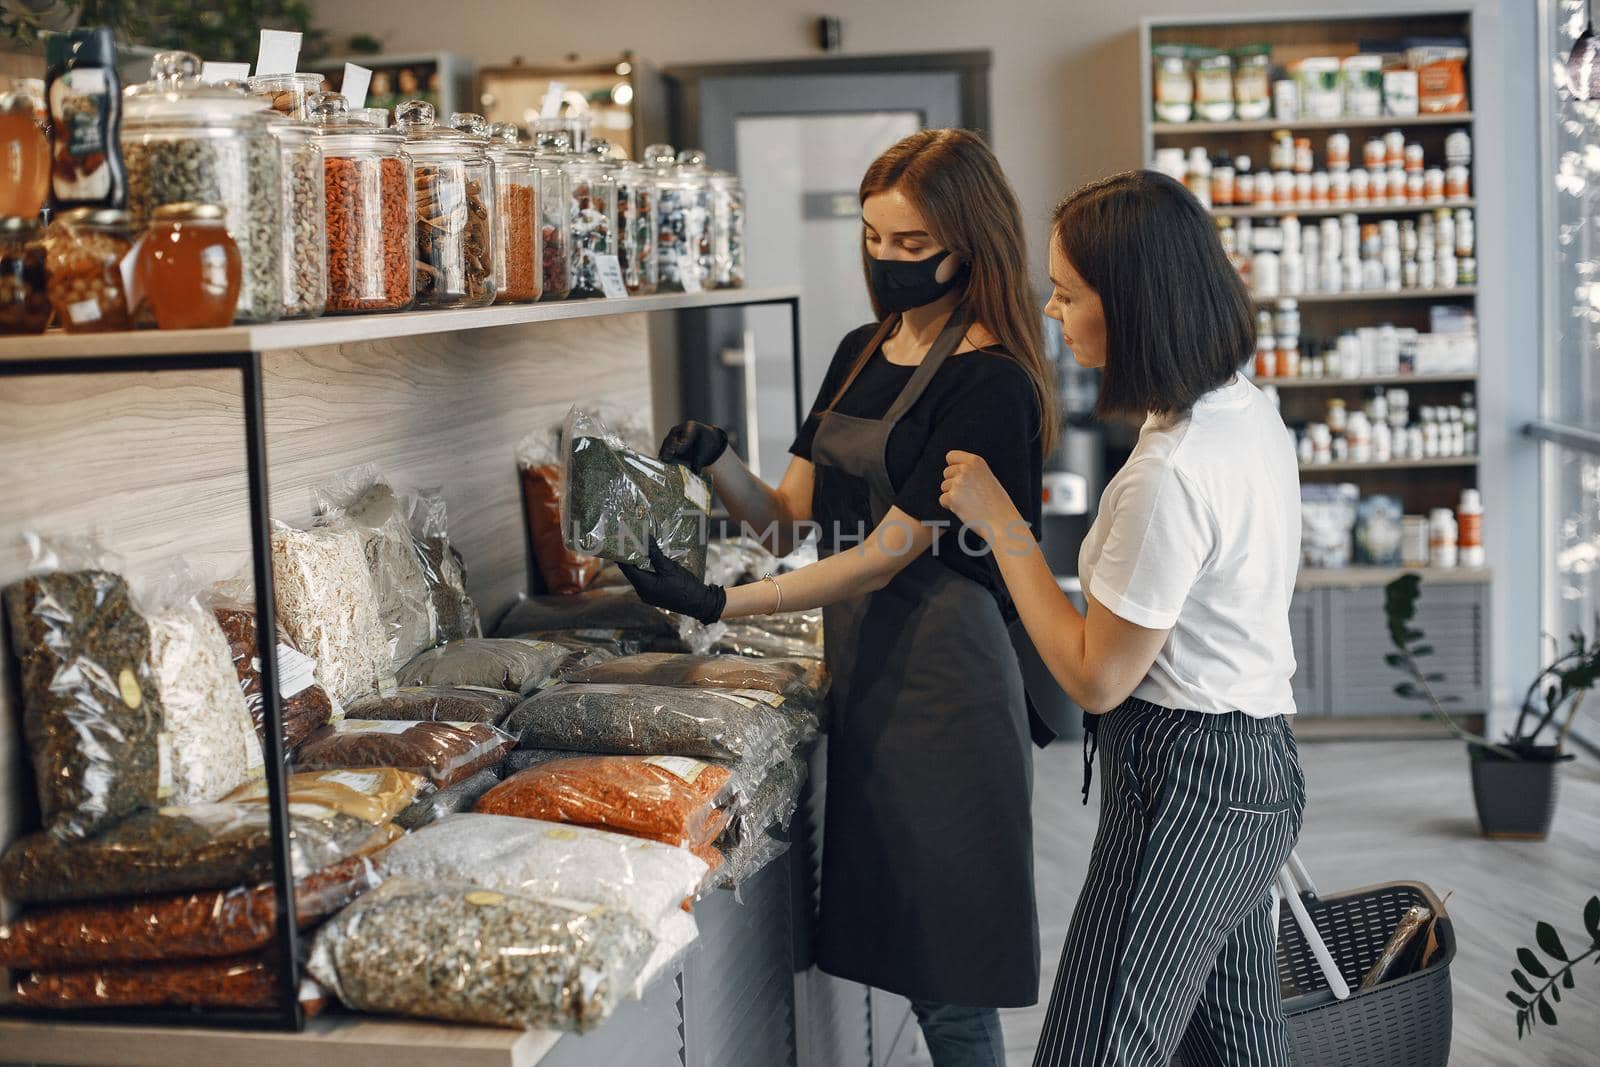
927, 859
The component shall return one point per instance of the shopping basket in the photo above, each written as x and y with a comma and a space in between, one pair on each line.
1326, 945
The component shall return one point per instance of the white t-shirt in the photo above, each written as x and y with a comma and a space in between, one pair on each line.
1200, 533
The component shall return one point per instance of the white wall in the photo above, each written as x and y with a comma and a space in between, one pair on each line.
1066, 104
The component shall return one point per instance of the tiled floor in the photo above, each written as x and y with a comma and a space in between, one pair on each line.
1381, 811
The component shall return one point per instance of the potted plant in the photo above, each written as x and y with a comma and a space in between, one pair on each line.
1513, 781
1535, 1003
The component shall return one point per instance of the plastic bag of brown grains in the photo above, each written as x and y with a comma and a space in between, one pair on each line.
494, 662
376, 795
664, 798
250, 983
442, 752
443, 569
564, 571
305, 705
198, 925
91, 706
618, 609
436, 703
798, 681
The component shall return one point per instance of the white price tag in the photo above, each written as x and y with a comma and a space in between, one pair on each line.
84, 311
550, 106
164, 782
611, 282
279, 52
680, 767
212, 73
297, 672
354, 86
360, 781
761, 696
254, 756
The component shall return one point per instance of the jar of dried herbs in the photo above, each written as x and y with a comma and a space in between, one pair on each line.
454, 209
636, 228
304, 216
185, 140
518, 274
555, 227
24, 297
86, 249
368, 197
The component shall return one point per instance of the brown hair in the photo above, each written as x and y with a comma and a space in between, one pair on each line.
1179, 322
956, 185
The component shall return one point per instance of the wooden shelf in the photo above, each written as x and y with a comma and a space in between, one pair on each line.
1367, 577
1352, 383
1174, 129
1408, 208
1349, 467
350, 329
1363, 296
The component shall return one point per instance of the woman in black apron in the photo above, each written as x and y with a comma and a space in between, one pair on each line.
927, 870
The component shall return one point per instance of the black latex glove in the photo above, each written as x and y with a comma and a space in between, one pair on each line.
696, 445
674, 587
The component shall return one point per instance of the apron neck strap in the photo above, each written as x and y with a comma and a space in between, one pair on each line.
949, 339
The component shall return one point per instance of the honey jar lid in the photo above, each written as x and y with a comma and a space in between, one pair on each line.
94, 216
18, 225
189, 211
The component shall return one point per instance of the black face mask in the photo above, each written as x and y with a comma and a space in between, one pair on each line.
900, 285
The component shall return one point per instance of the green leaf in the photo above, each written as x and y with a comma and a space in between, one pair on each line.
1407, 690
1555, 993
1434, 677
1414, 635
1394, 659
1522, 980
1518, 1001
1550, 941
1531, 963
1422, 650
1522, 1023
1566, 978
1547, 1013
1591, 917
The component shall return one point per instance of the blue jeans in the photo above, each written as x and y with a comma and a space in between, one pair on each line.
959, 1036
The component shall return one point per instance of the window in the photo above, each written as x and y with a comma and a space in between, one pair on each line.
1569, 427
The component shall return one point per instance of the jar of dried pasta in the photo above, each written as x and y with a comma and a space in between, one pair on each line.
367, 195
454, 207
518, 274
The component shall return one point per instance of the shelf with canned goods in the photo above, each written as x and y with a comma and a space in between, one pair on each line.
1355, 296
1426, 463
1281, 210
1448, 118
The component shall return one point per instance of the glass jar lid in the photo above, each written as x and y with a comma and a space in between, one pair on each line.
418, 121
175, 94
16, 103
98, 217
188, 211
506, 146
375, 116
19, 225
339, 127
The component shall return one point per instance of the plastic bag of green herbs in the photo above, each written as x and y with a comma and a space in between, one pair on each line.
618, 498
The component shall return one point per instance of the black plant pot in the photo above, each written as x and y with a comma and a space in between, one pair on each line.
1516, 799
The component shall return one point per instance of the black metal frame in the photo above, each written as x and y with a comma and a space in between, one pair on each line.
288, 1015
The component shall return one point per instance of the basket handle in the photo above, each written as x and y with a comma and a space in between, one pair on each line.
1290, 878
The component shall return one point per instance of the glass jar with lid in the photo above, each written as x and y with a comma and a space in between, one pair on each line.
184, 140
592, 215
555, 224
303, 212
287, 94
188, 267
24, 290
727, 231
368, 211
692, 167
574, 126
636, 228
454, 206
83, 260
372, 116
682, 216
517, 271
24, 157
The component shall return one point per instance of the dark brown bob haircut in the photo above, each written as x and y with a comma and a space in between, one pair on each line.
1179, 322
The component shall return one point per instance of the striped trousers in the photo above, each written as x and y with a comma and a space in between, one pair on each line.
1171, 944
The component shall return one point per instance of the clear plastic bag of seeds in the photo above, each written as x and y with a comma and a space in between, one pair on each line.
652, 720
671, 799
212, 742
436, 703
382, 517
546, 860
764, 801
513, 663
743, 862
743, 638
616, 609
174, 850
376, 795
459, 797
443, 569
91, 702
199, 925
328, 605
617, 499
799, 681
460, 952
442, 752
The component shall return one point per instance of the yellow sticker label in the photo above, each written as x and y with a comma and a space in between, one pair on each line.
485, 898
128, 682
562, 835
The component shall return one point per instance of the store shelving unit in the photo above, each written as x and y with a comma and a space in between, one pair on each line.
1335, 610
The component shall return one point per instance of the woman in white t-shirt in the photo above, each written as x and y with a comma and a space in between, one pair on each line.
1183, 659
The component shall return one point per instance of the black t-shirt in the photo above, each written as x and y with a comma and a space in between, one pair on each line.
980, 402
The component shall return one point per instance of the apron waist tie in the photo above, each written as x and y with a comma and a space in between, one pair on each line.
1091, 746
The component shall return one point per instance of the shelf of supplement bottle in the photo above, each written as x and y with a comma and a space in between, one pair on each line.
1388, 122
1351, 383
1364, 296
351, 329
1350, 467
1368, 577
1407, 208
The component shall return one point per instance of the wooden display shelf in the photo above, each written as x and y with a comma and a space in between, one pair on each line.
351, 329
1363, 296
1431, 463
1174, 129
1408, 208
1367, 577
1352, 383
